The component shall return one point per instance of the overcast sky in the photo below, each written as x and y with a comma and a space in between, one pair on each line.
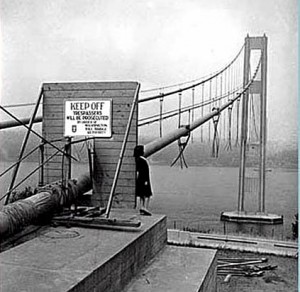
154, 42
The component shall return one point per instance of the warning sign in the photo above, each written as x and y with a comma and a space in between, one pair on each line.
88, 118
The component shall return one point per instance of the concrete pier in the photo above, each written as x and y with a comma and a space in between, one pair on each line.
82, 259
73, 259
178, 269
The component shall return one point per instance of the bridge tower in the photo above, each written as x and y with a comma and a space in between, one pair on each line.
259, 89
255, 47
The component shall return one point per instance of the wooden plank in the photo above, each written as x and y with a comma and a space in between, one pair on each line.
109, 174
90, 85
118, 137
117, 131
53, 115
50, 136
119, 189
119, 128
119, 94
54, 160
109, 158
103, 163
114, 152
113, 145
129, 162
118, 119
54, 164
58, 124
104, 160
121, 183
112, 167
54, 134
128, 171
49, 150
55, 172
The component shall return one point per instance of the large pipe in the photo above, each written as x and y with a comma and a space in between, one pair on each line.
12, 124
15, 216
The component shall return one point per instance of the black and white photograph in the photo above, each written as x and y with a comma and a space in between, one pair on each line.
149, 145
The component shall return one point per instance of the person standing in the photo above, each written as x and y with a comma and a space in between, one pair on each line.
143, 185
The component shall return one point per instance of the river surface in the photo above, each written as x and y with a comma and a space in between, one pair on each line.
195, 197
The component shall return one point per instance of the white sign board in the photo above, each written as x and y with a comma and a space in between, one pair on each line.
88, 118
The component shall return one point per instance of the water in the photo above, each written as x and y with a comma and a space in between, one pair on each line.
196, 196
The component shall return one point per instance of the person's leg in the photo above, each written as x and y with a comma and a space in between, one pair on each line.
145, 210
142, 203
147, 201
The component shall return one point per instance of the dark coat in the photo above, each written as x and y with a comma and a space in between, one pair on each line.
143, 186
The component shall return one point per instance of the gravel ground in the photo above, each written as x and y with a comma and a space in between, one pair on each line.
284, 278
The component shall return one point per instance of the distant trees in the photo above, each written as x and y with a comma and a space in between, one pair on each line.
10, 144
196, 153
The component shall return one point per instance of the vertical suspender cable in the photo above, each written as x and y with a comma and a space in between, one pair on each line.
161, 100
210, 107
216, 92
202, 109
179, 108
229, 127
220, 103
225, 91
193, 103
215, 146
237, 121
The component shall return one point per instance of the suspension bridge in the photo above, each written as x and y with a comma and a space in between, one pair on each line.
226, 109
228, 106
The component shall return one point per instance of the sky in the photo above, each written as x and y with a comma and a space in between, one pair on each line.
156, 43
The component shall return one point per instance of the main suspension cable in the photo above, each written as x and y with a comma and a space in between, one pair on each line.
193, 85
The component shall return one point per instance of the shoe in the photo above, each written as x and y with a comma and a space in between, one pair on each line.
145, 212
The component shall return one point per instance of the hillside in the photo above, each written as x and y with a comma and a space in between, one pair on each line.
196, 153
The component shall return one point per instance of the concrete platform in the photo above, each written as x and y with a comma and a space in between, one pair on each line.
230, 242
178, 269
251, 217
255, 224
81, 259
